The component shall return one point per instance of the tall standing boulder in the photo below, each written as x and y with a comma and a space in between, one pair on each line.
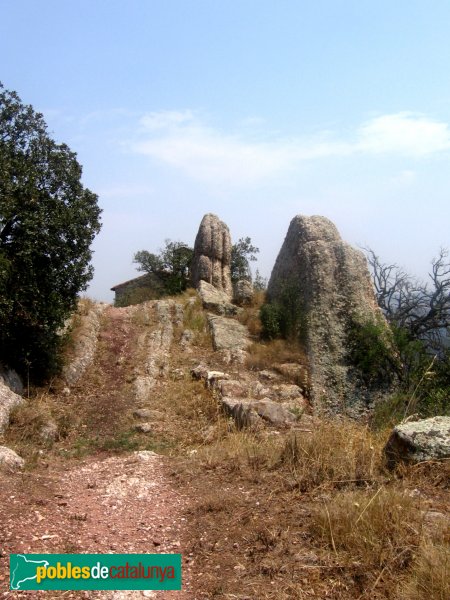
326, 285
212, 255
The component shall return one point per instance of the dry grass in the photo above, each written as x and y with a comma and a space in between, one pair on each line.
195, 319
336, 454
249, 315
241, 451
266, 355
429, 577
377, 529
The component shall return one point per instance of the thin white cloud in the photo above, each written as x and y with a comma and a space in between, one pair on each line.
406, 134
183, 141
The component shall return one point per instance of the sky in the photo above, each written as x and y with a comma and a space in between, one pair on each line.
255, 110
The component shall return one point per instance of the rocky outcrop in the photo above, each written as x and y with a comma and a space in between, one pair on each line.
212, 255
215, 300
11, 379
8, 401
228, 334
84, 343
326, 286
416, 441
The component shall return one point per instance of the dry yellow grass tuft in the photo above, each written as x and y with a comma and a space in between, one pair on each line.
336, 454
376, 529
429, 578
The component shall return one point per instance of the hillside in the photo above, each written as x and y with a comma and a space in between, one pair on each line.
132, 450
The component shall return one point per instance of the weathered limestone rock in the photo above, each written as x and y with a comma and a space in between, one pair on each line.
417, 441
11, 379
251, 412
232, 388
334, 292
212, 255
49, 432
85, 344
211, 378
8, 401
243, 292
273, 412
216, 300
228, 334
9, 460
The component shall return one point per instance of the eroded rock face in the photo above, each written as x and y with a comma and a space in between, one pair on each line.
215, 300
212, 254
243, 292
9, 400
228, 334
333, 291
416, 441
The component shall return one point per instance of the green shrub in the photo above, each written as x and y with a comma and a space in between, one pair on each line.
371, 351
285, 316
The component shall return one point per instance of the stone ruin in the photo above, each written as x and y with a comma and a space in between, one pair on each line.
334, 292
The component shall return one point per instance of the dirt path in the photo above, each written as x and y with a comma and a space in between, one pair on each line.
104, 503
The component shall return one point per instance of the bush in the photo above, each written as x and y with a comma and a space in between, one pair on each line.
371, 351
284, 317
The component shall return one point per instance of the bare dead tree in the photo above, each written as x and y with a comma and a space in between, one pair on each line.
420, 308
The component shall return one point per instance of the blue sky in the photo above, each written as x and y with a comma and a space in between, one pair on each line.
255, 110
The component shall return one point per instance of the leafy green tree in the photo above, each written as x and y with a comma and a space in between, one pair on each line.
172, 265
242, 253
48, 221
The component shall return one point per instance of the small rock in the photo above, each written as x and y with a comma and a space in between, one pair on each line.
142, 413
266, 375
274, 413
143, 427
231, 388
49, 431
10, 461
287, 392
146, 455
177, 374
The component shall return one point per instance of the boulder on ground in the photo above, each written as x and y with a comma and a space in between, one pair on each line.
212, 255
252, 412
417, 441
215, 300
243, 292
325, 288
228, 334
9, 460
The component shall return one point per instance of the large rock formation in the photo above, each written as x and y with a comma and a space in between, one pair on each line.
325, 287
212, 255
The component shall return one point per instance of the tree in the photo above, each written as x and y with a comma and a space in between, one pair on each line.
419, 315
421, 309
47, 223
242, 253
172, 265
